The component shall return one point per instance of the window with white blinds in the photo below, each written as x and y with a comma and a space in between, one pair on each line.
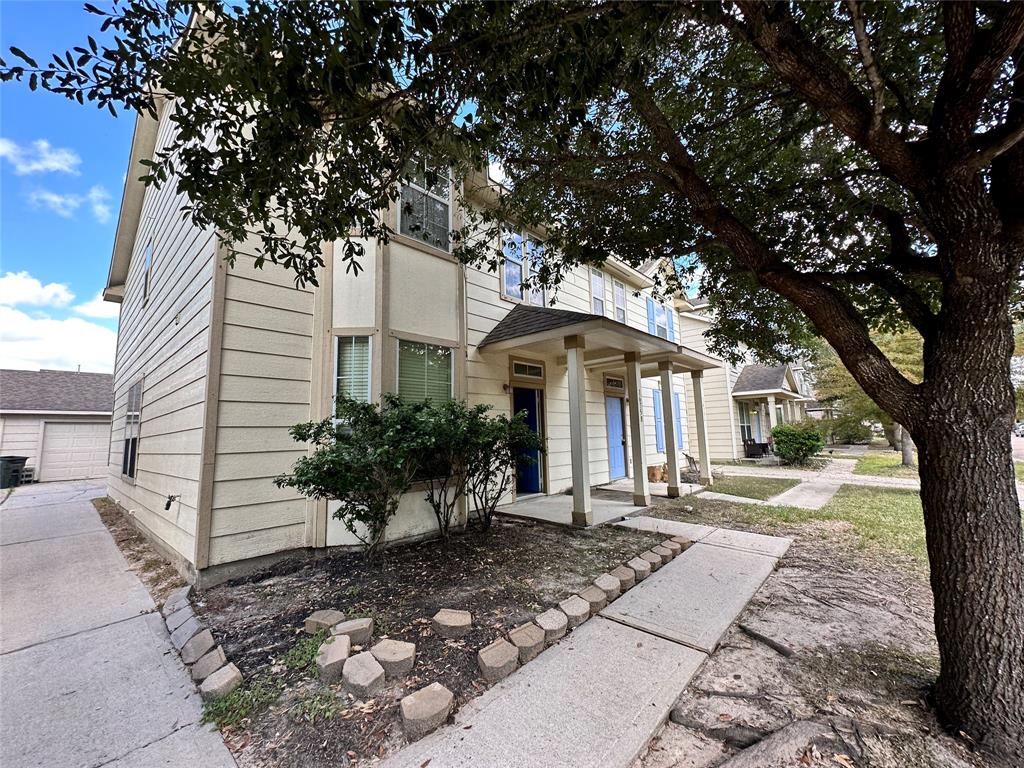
424, 371
352, 376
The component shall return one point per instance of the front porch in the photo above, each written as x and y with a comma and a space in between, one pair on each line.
586, 345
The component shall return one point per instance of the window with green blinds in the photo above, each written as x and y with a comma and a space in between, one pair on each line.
352, 378
424, 371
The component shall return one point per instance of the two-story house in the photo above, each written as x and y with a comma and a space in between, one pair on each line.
215, 363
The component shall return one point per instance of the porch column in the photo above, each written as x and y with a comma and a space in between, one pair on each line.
637, 444
773, 417
582, 515
702, 429
671, 438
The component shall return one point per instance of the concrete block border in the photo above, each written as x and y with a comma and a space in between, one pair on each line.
208, 666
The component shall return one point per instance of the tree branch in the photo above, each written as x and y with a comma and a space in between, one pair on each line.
829, 310
870, 65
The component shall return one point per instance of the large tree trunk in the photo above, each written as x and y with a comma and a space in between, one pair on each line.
973, 519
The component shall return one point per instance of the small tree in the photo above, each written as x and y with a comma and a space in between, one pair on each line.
500, 444
366, 460
796, 443
449, 432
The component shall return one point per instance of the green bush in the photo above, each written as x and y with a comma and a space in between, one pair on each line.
366, 459
796, 443
498, 446
847, 430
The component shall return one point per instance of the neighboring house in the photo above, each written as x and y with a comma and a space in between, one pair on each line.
59, 420
214, 364
743, 402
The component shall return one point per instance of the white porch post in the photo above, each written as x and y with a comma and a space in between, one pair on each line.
582, 515
773, 416
637, 444
671, 438
702, 429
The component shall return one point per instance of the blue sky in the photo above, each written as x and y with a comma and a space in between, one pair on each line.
62, 170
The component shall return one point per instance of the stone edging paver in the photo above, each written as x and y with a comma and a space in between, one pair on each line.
207, 663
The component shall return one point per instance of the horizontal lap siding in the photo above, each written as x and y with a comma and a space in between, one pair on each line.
264, 389
163, 340
19, 436
719, 409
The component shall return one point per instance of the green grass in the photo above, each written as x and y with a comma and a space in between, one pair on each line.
752, 487
301, 657
883, 464
1018, 469
248, 699
317, 706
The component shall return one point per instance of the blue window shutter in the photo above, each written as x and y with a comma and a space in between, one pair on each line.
659, 422
671, 323
651, 329
679, 419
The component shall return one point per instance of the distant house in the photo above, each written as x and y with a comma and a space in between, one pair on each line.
214, 364
60, 420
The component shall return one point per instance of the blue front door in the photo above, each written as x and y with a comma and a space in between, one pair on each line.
616, 440
528, 470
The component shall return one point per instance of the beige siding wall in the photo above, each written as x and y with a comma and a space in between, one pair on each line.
163, 341
20, 436
263, 389
724, 440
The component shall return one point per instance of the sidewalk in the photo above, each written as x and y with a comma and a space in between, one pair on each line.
87, 674
597, 697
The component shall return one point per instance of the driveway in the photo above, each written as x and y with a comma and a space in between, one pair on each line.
87, 674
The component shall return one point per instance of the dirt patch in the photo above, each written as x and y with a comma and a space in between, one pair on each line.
503, 577
153, 570
860, 625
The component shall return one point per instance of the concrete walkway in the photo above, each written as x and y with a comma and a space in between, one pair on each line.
87, 674
597, 697
839, 471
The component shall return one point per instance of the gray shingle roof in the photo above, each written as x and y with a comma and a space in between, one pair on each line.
524, 320
757, 378
56, 391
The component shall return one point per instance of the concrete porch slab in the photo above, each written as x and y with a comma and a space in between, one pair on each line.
625, 485
558, 509
592, 700
695, 598
692, 531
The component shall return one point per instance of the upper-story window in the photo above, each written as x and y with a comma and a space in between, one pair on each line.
425, 210
523, 258
659, 320
147, 264
619, 297
597, 297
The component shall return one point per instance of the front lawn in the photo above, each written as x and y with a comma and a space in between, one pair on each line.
883, 464
752, 487
1018, 469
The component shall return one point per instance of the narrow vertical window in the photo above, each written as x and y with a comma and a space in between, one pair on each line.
132, 423
619, 296
597, 292
147, 265
514, 270
352, 374
424, 210
535, 258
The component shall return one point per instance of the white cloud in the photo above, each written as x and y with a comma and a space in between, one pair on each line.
31, 343
98, 198
97, 307
66, 206
39, 157
63, 205
22, 288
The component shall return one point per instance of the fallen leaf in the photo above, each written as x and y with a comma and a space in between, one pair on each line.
725, 717
844, 760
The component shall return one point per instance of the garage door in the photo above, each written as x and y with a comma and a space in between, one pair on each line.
74, 451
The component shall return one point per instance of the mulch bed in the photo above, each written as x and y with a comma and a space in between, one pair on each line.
504, 577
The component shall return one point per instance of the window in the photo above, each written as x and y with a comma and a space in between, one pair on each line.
619, 297
746, 433
147, 263
424, 371
523, 259
780, 417
527, 370
352, 372
659, 320
614, 382
424, 211
132, 422
597, 292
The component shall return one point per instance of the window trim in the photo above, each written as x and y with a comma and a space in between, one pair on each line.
337, 358
527, 376
604, 292
450, 202
436, 343
616, 284
526, 263
134, 464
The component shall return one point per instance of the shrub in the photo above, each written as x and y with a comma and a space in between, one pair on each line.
449, 432
848, 430
796, 443
365, 459
498, 447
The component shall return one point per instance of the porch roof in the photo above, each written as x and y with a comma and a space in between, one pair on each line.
542, 330
756, 382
